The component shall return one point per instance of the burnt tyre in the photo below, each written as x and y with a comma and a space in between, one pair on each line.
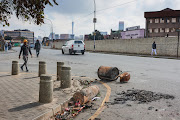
62, 52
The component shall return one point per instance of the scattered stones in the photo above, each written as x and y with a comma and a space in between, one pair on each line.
150, 108
141, 96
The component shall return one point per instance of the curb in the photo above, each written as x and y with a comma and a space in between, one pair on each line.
53, 111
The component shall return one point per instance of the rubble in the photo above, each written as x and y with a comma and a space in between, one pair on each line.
140, 96
124, 77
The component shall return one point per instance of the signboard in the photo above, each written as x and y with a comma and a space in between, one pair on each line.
133, 28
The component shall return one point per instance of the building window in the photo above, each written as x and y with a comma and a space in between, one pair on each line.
161, 30
150, 30
173, 30
167, 20
166, 30
157, 20
162, 20
173, 20
150, 21
156, 30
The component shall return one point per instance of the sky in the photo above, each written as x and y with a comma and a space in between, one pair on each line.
109, 13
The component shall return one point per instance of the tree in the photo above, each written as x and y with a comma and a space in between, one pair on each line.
98, 36
28, 10
8, 38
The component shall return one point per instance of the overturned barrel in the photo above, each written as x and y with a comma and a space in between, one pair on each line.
86, 94
108, 73
124, 77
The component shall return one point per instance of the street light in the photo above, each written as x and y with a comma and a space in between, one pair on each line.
94, 21
51, 26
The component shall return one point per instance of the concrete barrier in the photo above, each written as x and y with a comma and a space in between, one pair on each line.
42, 68
15, 68
66, 77
59, 67
45, 89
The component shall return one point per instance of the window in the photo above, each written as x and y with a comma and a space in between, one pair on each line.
173, 30
156, 30
167, 20
161, 30
173, 20
78, 42
151, 21
150, 30
157, 20
166, 30
161, 20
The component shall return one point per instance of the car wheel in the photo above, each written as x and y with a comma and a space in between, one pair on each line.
82, 53
62, 52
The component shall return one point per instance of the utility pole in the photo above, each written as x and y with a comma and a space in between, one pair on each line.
94, 21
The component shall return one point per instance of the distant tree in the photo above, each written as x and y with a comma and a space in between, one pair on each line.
98, 36
28, 10
8, 38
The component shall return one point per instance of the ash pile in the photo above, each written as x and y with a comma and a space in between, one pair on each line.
140, 96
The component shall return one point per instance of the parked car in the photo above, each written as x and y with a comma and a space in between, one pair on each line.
73, 47
32, 45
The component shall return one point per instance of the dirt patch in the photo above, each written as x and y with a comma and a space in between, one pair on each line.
140, 96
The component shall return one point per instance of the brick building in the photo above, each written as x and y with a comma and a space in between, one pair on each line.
162, 23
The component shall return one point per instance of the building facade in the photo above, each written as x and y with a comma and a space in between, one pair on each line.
29, 35
162, 23
121, 25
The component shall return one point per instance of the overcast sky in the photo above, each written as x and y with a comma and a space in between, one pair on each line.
110, 12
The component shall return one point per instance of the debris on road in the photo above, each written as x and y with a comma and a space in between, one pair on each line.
108, 73
86, 94
124, 77
141, 96
112, 73
81, 100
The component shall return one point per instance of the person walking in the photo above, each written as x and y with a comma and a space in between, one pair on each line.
6, 46
154, 48
37, 47
25, 49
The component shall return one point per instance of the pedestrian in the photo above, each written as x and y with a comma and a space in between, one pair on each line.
25, 49
37, 47
154, 48
6, 46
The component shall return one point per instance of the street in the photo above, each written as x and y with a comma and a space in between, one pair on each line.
147, 73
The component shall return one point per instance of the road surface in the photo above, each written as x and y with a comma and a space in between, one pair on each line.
147, 73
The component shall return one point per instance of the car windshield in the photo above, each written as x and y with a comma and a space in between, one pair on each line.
78, 42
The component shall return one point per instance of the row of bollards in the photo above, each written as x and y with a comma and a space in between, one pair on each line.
46, 82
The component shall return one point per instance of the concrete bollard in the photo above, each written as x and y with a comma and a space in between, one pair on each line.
59, 67
15, 68
45, 89
42, 68
66, 77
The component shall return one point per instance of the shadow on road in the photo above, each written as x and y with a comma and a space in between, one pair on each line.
26, 106
4, 75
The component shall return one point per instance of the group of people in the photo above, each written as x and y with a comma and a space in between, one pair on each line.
26, 50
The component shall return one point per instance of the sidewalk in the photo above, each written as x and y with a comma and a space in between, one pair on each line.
138, 55
20, 95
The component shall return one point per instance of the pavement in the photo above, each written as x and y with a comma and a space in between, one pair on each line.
147, 73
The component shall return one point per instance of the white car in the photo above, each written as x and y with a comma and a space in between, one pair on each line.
73, 47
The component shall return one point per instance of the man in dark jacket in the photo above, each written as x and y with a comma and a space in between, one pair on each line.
154, 48
37, 47
25, 49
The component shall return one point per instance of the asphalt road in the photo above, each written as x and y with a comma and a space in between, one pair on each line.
147, 73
